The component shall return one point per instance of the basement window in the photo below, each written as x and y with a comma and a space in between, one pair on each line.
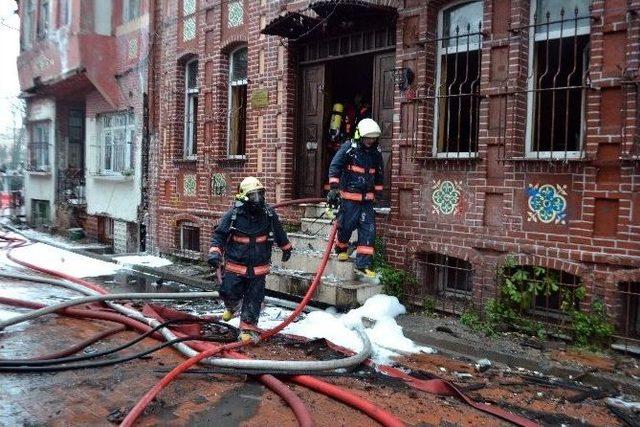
559, 60
189, 239
444, 274
630, 310
237, 108
192, 90
117, 133
457, 97
40, 212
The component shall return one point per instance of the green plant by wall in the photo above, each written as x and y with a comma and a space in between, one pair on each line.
394, 281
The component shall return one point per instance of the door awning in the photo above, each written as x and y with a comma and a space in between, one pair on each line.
334, 15
352, 9
291, 25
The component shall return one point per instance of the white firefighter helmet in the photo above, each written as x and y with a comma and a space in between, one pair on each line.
368, 128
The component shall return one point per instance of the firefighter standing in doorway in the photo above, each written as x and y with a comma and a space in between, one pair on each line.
245, 235
356, 175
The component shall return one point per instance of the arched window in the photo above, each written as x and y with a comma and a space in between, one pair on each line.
237, 104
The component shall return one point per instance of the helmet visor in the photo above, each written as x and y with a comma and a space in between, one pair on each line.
256, 197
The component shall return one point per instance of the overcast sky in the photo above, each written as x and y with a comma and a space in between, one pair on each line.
9, 50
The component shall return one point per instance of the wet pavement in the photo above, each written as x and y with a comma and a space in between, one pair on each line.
102, 396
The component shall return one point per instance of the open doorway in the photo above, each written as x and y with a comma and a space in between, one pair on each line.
336, 93
348, 90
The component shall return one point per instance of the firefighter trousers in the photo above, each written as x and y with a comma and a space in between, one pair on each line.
361, 216
237, 291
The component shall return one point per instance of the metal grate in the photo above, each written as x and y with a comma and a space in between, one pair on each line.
628, 325
445, 279
189, 239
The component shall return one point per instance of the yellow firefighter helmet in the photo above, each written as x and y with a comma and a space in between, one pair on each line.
248, 185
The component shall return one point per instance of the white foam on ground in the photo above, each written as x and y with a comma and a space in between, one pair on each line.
146, 260
386, 335
64, 261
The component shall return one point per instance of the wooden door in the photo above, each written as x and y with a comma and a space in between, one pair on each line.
310, 147
383, 110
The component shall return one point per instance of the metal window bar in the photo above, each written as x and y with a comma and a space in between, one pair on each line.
447, 280
189, 240
456, 96
557, 83
546, 306
628, 322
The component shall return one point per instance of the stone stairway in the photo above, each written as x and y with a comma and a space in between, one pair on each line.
338, 286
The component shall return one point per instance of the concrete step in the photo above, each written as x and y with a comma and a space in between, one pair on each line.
320, 228
308, 242
342, 294
315, 210
306, 261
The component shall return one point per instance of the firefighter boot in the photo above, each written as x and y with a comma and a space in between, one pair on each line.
343, 256
367, 276
249, 336
227, 315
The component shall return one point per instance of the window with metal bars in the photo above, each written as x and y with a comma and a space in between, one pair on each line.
457, 96
444, 274
189, 237
39, 146
237, 108
630, 309
190, 147
558, 78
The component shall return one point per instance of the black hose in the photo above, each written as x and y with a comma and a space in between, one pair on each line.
45, 362
102, 363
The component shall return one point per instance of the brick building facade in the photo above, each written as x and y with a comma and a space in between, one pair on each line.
507, 130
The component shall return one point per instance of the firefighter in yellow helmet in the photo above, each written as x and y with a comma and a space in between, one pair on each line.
244, 238
356, 174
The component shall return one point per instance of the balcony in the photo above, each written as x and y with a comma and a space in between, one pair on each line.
68, 61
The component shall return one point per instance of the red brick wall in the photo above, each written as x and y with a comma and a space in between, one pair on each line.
491, 221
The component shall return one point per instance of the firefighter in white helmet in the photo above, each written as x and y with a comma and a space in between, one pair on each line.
356, 175
245, 236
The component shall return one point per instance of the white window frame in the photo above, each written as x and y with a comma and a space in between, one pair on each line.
190, 112
42, 158
533, 38
232, 84
129, 130
440, 51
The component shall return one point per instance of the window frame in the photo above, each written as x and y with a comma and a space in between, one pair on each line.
43, 26
190, 120
531, 86
127, 9
181, 235
39, 151
129, 131
27, 26
441, 52
231, 83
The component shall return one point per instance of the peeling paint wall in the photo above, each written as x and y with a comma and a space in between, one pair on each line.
38, 185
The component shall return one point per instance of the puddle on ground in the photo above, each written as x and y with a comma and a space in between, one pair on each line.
234, 407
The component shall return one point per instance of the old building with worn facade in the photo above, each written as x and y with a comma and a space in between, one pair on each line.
509, 132
83, 73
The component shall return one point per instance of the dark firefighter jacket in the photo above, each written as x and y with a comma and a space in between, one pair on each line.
358, 171
246, 240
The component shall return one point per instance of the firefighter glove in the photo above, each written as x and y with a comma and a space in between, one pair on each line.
333, 198
214, 259
286, 255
